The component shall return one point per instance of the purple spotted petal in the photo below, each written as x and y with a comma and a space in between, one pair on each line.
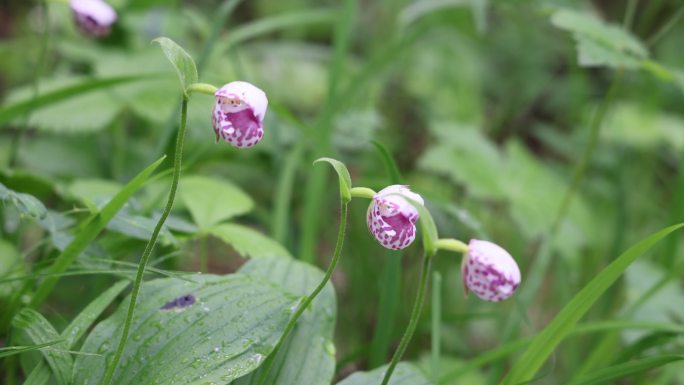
392, 219
489, 271
238, 114
93, 17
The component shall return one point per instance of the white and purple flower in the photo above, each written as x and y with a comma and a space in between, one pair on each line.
392, 218
489, 271
238, 114
93, 17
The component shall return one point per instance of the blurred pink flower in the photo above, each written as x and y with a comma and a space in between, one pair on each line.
238, 114
93, 17
392, 219
489, 271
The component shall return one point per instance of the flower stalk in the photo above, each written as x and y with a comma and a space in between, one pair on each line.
151, 243
309, 299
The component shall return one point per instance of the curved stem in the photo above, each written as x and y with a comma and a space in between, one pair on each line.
308, 299
362, 192
452, 245
415, 315
37, 74
150, 244
202, 88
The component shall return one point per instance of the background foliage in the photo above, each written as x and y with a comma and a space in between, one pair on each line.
495, 111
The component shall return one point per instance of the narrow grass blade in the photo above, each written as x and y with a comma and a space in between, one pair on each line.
12, 350
545, 342
93, 226
390, 164
15, 110
626, 369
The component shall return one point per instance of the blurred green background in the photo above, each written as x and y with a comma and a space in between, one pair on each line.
489, 109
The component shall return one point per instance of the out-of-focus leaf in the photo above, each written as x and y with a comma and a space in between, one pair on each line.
308, 356
26, 204
214, 329
404, 374
11, 265
213, 200
601, 44
94, 193
662, 306
248, 242
638, 126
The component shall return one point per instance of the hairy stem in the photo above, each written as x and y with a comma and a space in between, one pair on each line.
150, 244
308, 299
415, 315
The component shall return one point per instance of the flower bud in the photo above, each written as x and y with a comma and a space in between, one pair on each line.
93, 17
489, 271
392, 219
238, 114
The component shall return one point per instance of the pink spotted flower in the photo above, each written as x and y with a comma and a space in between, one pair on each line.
489, 271
93, 17
392, 219
238, 114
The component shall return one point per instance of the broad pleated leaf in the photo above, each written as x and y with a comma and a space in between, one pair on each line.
308, 356
40, 331
214, 329
212, 200
546, 341
248, 242
404, 374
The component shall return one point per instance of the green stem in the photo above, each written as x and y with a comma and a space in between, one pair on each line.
452, 245
629, 14
583, 164
436, 324
415, 315
362, 192
202, 88
308, 299
150, 244
38, 73
666, 27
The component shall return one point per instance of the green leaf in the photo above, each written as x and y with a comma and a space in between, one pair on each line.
404, 374
345, 178
625, 369
212, 200
77, 328
224, 331
12, 350
29, 103
248, 242
546, 341
601, 44
308, 356
25, 203
40, 331
181, 61
91, 227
